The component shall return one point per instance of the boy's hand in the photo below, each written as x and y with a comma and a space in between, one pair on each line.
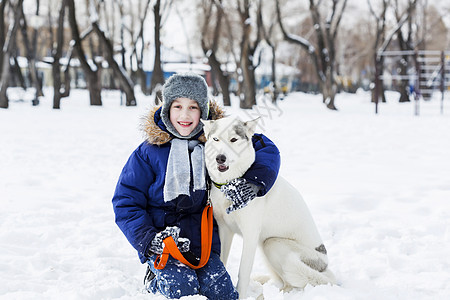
239, 192
157, 244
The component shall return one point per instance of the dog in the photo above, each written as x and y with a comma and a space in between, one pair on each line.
279, 222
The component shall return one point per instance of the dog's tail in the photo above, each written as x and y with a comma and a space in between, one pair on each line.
297, 265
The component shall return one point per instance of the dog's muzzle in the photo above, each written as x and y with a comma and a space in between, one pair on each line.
221, 166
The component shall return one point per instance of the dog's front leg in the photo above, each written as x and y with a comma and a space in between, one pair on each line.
250, 242
226, 238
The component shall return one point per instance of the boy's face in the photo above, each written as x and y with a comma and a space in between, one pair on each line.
184, 115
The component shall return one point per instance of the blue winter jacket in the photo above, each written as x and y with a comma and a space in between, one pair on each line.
138, 201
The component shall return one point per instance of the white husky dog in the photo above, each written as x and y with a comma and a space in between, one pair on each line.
279, 222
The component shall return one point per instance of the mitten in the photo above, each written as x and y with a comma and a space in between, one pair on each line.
157, 244
239, 192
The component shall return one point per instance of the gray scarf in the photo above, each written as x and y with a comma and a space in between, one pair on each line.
178, 172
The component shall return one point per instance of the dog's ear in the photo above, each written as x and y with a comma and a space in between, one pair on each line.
251, 126
206, 127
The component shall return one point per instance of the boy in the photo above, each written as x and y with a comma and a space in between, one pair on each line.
162, 191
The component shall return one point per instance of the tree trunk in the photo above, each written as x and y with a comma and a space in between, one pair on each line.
58, 91
404, 84
382, 92
379, 41
248, 86
210, 51
122, 31
119, 72
94, 86
4, 82
19, 80
56, 82
403, 87
142, 79
273, 77
223, 79
157, 74
140, 73
7, 49
267, 37
31, 57
140, 76
248, 98
329, 90
2, 32
56, 72
92, 76
405, 43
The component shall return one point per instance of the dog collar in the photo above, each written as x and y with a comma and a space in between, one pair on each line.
218, 185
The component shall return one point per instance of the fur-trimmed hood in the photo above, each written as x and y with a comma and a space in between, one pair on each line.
155, 131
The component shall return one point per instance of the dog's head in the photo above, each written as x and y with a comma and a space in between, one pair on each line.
229, 150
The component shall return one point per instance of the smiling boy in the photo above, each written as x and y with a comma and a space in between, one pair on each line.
162, 191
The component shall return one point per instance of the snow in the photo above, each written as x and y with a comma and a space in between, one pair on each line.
377, 187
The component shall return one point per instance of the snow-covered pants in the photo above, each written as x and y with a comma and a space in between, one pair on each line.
177, 280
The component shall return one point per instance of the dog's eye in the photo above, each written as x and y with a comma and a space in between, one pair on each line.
233, 140
215, 139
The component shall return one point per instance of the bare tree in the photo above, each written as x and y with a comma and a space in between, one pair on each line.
60, 90
122, 32
2, 31
7, 50
269, 38
157, 74
421, 41
405, 42
17, 77
248, 47
91, 71
119, 72
30, 48
210, 44
323, 54
107, 50
139, 40
95, 47
380, 28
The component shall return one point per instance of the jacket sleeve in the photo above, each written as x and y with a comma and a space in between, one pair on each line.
264, 171
130, 202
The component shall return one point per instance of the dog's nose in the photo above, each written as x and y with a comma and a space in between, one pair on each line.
221, 159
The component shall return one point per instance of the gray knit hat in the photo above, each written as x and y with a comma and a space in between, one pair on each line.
184, 85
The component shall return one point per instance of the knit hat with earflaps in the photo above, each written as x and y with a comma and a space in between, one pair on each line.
185, 85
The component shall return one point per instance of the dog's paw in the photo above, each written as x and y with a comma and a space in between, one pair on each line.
262, 279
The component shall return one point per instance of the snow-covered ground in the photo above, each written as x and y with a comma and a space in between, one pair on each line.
377, 185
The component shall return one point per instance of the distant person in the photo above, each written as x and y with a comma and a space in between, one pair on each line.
162, 192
